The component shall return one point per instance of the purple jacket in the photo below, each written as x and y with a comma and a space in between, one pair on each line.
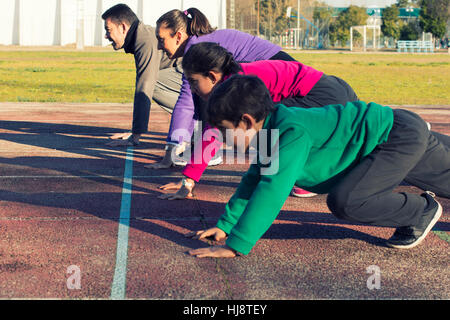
243, 46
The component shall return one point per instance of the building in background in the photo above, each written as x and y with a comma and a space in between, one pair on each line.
63, 22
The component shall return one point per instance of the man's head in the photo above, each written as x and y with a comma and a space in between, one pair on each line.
239, 106
118, 20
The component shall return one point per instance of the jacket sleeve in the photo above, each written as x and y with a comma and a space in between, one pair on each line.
238, 202
182, 122
260, 197
147, 58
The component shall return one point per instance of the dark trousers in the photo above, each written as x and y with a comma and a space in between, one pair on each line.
281, 55
411, 153
328, 90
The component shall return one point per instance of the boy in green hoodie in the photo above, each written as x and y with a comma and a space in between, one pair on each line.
357, 153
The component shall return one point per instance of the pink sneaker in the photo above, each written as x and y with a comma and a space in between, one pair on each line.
300, 193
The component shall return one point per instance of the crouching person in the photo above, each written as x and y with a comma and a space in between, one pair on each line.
357, 153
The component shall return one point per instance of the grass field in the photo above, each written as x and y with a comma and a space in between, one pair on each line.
107, 76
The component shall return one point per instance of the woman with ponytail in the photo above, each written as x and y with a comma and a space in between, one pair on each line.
176, 32
291, 83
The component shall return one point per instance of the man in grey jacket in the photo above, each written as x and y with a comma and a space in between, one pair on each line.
157, 76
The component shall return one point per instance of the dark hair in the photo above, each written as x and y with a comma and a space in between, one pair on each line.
238, 95
206, 56
120, 13
196, 25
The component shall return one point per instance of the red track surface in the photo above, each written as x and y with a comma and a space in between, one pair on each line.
60, 197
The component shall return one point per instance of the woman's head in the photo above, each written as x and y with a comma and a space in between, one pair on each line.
205, 65
174, 28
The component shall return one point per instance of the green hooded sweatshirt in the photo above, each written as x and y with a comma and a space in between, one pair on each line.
312, 149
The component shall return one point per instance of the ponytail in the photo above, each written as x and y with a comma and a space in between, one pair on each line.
198, 23
204, 57
192, 20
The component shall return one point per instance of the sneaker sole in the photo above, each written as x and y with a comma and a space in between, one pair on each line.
306, 195
215, 162
437, 215
180, 164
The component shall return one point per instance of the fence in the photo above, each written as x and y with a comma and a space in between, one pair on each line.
415, 45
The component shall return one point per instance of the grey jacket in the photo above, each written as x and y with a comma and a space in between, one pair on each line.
142, 42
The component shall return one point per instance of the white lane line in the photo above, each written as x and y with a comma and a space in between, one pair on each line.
118, 287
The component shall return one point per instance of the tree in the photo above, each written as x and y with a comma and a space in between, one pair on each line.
409, 31
406, 3
434, 15
272, 13
352, 16
401, 3
392, 24
323, 14
322, 17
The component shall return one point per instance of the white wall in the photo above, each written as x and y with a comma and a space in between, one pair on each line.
8, 17
54, 22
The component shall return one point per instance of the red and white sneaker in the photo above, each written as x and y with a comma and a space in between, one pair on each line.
301, 193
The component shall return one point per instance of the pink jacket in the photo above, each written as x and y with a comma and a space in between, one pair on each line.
284, 79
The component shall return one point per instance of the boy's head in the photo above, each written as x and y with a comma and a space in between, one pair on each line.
239, 106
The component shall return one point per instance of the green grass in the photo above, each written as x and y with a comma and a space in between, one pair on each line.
107, 76
389, 78
47, 76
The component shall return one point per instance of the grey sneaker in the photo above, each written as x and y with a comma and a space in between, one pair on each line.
179, 161
411, 236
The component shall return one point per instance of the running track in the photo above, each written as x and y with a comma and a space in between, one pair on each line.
80, 220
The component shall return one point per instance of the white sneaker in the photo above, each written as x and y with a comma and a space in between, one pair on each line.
180, 162
215, 161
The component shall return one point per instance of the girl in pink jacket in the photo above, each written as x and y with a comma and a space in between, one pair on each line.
289, 82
